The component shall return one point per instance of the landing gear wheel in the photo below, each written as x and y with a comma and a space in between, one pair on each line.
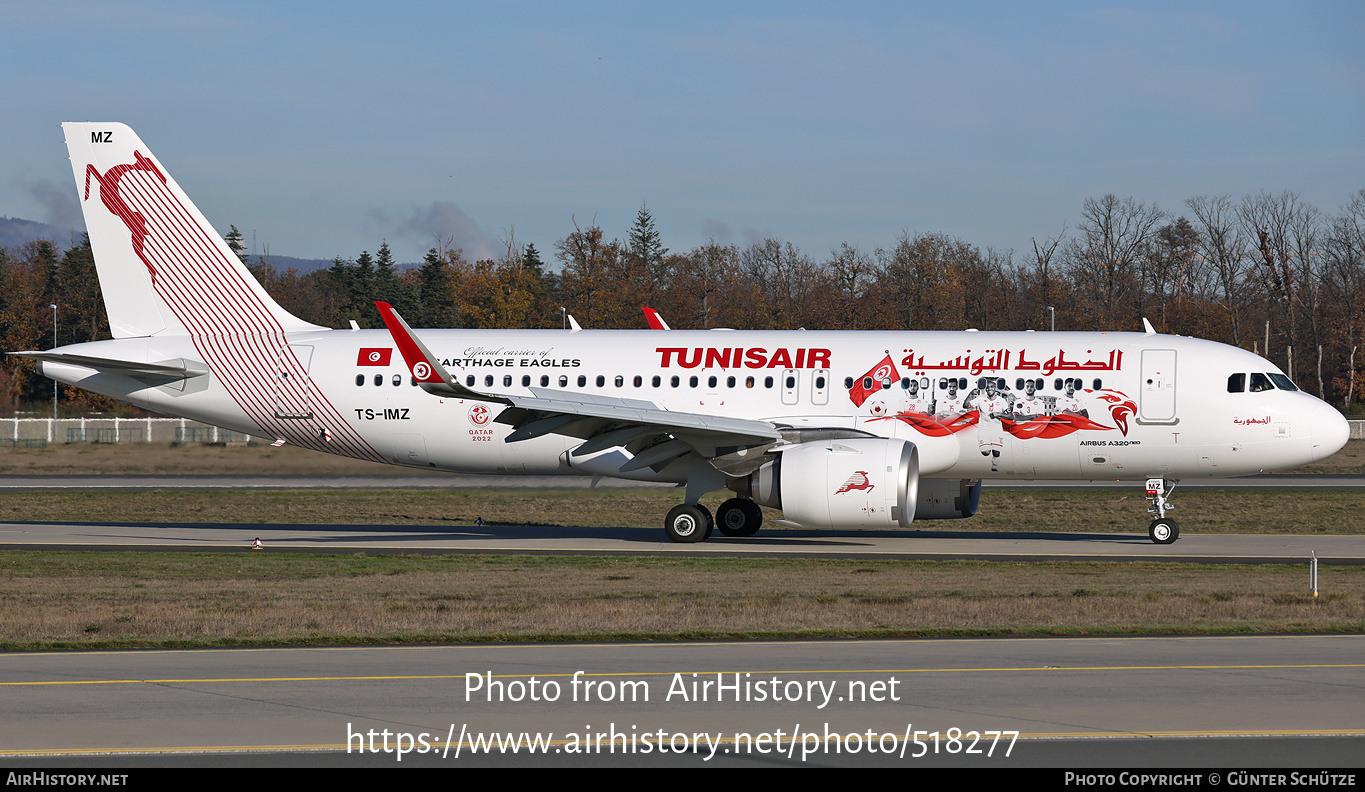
739, 517
710, 521
1163, 531
688, 523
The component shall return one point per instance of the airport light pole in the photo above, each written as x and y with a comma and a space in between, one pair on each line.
54, 346
563, 318
1052, 314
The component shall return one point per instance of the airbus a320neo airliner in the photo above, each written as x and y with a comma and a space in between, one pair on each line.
836, 429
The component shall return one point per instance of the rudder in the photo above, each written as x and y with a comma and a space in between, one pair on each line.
163, 269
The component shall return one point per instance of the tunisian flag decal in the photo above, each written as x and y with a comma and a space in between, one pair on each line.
370, 356
882, 371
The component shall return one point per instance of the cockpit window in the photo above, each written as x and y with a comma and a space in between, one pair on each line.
1260, 382
1237, 383
1282, 382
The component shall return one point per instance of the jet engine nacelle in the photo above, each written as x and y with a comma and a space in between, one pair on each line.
947, 499
851, 483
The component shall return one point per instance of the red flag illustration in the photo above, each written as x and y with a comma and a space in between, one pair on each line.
931, 426
885, 370
1050, 426
373, 357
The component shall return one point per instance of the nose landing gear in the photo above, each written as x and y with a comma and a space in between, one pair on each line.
1163, 529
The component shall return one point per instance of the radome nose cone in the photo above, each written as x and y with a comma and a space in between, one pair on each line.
1331, 430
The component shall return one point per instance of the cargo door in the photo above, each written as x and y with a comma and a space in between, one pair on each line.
293, 386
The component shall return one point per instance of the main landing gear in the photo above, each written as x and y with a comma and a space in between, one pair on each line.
693, 522
1163, 529
739, 517
689, 523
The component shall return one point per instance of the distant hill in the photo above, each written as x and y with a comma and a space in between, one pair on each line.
304, 266
15, 232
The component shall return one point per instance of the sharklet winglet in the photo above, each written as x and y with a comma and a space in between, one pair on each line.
425, 367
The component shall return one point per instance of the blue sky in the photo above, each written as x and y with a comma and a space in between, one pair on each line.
320, 129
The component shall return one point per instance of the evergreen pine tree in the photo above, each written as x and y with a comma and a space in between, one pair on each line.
434, 279
236, 243
645, 247
362, 292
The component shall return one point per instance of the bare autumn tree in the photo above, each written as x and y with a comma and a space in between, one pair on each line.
1281, 228
1168, 270
700, 281
784, 281
1344, 281
1222, 245
1103, 259
602, 286
1045, 286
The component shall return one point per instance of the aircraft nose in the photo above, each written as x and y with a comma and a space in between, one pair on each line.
1330, 430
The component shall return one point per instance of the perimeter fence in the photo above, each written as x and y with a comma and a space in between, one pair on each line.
21, 433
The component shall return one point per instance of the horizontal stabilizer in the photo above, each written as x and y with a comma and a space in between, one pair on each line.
169, 369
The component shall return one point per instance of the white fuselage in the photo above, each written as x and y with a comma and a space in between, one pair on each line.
1145, 405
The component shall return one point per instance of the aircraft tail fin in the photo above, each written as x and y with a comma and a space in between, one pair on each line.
163, 269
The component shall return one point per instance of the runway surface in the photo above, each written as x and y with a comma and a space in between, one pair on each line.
938, 545
1282, 701
470, 481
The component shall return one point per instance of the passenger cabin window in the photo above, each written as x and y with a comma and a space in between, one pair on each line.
397, 380
656, 381
1098, 384
525, 380
692, 382
379, 379
638, 381
507, 380
675, 381
601, 381
620, 380
488, 381
563, 381
848, 383
748, 382
544, 380
360, 379
710, 382
469, 380
582, 381
1237, 383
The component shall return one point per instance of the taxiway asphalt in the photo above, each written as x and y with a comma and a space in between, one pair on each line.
471, 481
1248, 701
912, 544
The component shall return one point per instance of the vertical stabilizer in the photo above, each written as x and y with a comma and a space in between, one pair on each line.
162, 267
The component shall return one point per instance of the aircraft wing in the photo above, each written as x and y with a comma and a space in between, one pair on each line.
656, 436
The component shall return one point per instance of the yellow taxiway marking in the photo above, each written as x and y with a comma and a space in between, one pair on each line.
665, 645
636, 674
